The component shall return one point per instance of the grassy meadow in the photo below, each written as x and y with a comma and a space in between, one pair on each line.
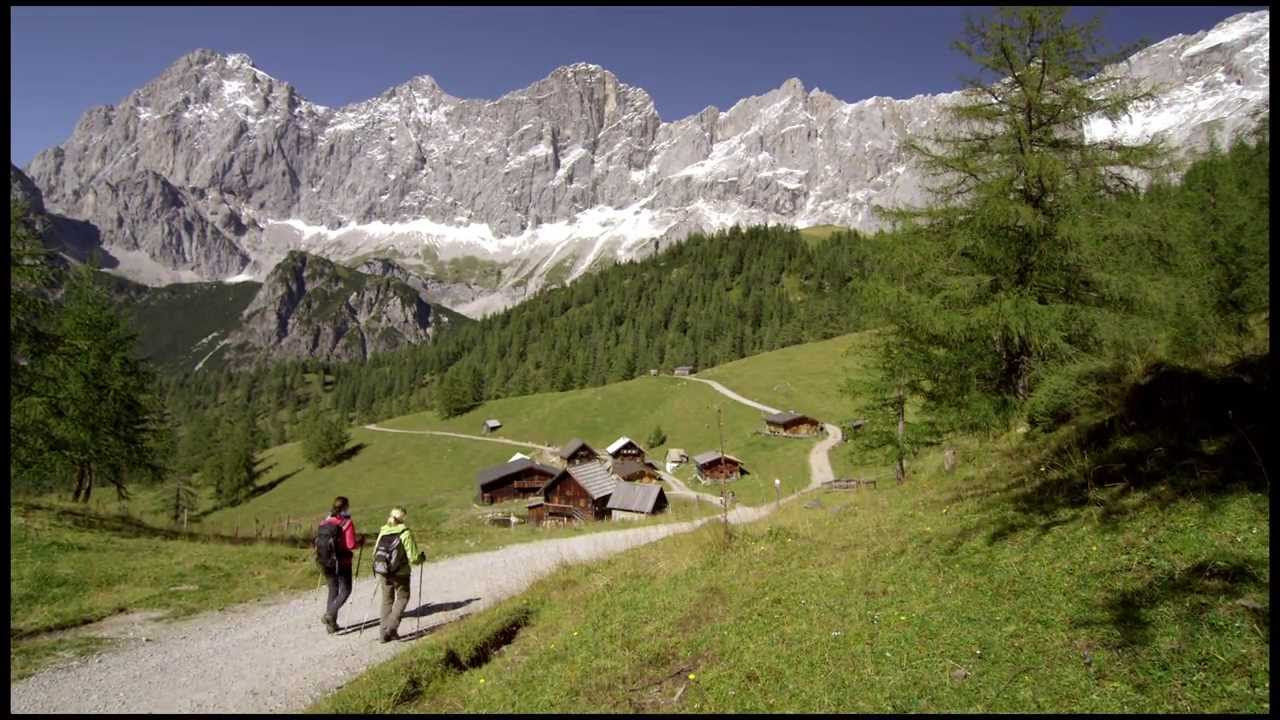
951, 593
685, 410
69, 568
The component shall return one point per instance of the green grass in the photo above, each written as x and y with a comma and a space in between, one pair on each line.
68, 570
685, 410
433, 478
808, 379
935, 596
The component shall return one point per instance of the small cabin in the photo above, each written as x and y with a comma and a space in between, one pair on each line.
631, 501
791, 424
512, 480
675, 457
624, 448
683, 370
640, 471
577, 451
577, 493
713, 467
491, 426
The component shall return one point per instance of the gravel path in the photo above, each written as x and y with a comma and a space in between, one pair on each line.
731, 394
274, 656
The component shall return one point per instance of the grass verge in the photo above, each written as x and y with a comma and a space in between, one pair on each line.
946, 594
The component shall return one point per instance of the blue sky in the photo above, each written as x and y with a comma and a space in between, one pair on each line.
68, 59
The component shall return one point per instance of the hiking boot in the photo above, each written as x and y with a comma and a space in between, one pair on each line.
330, 624
388, 637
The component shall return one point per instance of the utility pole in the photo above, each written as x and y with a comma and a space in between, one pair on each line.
724, 506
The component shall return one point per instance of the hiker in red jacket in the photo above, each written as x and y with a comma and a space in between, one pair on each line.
339, 574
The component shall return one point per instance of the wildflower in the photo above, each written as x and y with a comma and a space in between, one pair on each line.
692, 676
481, 681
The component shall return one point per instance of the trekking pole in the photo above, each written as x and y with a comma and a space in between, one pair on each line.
421, 605
372, 595
359, 557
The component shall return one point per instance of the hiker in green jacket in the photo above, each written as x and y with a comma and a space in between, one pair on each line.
395, 584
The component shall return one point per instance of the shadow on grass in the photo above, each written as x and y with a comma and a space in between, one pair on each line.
1179, 433
1195, 588
268, 487
349, 453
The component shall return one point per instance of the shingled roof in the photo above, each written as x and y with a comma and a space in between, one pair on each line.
572, 447
626, 468
635, 497
594, 477
621, 443
712, 456
489, 475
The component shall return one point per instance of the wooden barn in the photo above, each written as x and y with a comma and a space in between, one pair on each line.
577, 493
641, 471
508, 481
790, 423
577, 451
712, 466
491, 425
630, 501
683, 370
624, 448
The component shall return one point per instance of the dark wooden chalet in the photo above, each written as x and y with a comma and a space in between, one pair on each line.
712, 466
632, 500
578, 493
624, 448
508, 481
790, 423
683, 370
491, 425
641, 471
577, 451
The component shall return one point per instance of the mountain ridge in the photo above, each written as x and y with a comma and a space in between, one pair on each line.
576, 169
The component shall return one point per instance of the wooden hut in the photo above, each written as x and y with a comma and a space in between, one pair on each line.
508, 481
792, 424
630, 501
577, 451
624, 448
676, 456
579, 492
684, 370
491, 425
712, 466
641, 471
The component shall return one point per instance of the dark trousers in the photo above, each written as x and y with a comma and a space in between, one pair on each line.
395, 595
339, 590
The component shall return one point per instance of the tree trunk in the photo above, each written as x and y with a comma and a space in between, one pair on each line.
75, 497
901, 470
88, 484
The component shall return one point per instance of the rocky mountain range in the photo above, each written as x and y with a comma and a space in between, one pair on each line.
216, 170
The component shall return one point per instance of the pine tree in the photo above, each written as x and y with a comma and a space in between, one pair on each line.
1026, 282
324, 437
89, 412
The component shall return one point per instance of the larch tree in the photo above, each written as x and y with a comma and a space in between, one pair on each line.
1011, 274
